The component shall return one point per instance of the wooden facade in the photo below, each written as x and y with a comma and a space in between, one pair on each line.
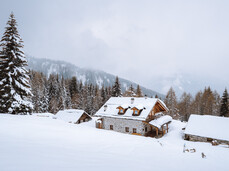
159, 131
84, 118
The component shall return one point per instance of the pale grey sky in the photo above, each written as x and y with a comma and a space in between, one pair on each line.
157, 44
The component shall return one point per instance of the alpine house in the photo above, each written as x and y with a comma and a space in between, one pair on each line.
134, 115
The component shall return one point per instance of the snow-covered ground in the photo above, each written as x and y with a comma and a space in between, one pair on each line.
39, 142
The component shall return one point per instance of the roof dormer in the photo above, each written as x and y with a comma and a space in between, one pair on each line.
137, 110
122, 109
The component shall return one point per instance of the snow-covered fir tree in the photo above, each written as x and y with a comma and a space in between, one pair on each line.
68, 102
15, 90
53, 93
116, 89
216, 104
103, 96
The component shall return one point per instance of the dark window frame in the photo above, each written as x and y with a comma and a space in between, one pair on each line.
134, 130
127, 129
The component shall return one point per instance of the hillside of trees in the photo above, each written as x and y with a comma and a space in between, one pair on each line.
206, 102
56, 93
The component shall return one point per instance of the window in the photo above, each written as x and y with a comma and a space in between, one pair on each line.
111, 127
145, 129
134, 130
121, 110
127, 129
136, 112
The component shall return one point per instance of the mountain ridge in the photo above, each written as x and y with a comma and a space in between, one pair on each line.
86, 75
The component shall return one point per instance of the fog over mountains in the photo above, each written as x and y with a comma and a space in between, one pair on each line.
85, 75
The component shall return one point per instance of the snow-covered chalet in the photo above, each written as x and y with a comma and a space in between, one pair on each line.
134, 115
75, 116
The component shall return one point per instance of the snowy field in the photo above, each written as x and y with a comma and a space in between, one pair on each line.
43, 143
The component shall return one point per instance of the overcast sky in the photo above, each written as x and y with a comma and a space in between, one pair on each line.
144, 41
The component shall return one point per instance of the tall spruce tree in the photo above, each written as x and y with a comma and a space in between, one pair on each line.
15, 90
116, 89
224, 104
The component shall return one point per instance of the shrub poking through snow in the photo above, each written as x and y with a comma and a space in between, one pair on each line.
203, 155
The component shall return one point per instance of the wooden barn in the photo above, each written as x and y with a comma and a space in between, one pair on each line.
133, 115
73, 116
207, 128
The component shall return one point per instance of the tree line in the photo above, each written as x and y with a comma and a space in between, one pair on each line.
206, 102
54, 93
58, 93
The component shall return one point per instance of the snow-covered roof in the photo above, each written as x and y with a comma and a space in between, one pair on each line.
146, 104
124, 106
214, 127
139, 107
70, 115
161, 121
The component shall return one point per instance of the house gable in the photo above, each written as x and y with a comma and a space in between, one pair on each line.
84, 117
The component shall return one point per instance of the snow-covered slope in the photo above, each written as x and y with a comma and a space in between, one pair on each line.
85, 75
39, 142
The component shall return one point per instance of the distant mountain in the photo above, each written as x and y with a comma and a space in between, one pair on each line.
68, 70
190, 83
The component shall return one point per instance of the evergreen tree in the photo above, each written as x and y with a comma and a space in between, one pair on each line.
139, 92
63, 95
15, 90
53, 93
116, 89
224, 104
73, 87
216, 104
68, 102
103, 96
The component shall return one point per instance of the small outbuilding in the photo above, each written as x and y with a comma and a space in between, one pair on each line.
207, 128
75, 116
